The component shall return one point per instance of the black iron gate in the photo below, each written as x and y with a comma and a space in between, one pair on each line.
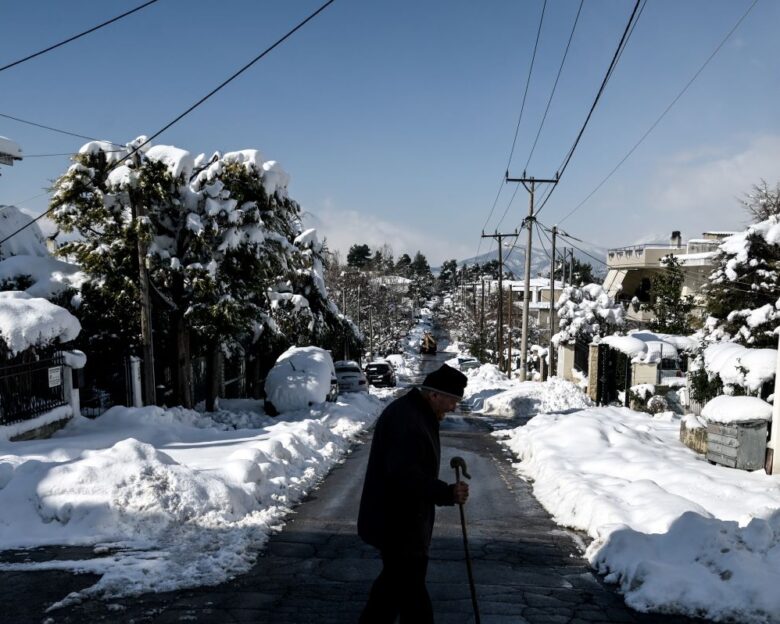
581, 354
29, 389
614, 376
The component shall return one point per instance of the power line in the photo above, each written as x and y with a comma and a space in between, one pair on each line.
53, 129
623, 41
555, 85
517, 129
235, 75
663, 114
86, 32
527, 83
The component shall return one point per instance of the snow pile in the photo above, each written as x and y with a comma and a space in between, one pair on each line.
301, 377
28, 242
677, 534
533, 397
24, 257
739, 366
26, 322
169, 498
730, 409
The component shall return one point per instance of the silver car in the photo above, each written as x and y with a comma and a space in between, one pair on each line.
350, 377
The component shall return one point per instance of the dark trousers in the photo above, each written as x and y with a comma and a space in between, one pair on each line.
399, 590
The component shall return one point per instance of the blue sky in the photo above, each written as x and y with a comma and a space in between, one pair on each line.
395, 119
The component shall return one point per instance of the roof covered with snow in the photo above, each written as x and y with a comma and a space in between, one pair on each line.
7, 146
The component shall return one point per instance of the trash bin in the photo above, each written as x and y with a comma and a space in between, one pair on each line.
739, 445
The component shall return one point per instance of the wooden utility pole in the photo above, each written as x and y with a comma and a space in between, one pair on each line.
528, 222
551, 354
482, 313
509, 330
147, 340
500, 332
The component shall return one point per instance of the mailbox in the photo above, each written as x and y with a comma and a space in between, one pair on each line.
739, 445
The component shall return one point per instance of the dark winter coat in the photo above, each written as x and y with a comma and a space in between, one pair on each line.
402, 479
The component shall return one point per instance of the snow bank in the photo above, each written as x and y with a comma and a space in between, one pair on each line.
169, 498
677, 534
26, 321
730, 409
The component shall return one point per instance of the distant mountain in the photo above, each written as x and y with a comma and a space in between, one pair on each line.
514, 259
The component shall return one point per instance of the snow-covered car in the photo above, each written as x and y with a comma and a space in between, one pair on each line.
301, 377
466, 362
350, 377
381, 373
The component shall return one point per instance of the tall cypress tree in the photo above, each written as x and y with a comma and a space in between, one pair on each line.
672, 310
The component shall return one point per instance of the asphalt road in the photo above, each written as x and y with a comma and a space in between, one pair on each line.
527, 569
316, 569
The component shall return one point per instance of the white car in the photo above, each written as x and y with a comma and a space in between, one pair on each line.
465, 362
350, 377
301, 377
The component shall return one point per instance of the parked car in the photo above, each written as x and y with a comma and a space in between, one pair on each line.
466, 362
301, 377
350, 377
381, 373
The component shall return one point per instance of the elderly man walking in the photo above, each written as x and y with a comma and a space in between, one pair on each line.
401, 488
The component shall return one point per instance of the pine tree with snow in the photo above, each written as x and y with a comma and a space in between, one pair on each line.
672, 311
743, 291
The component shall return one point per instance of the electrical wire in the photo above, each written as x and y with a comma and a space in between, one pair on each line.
663, 114
527, 83
517, 129
53, 129
86, 32
194, 106
621, 44
555, 85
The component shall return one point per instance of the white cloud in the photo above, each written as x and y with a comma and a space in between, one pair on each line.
703, 186
344, 228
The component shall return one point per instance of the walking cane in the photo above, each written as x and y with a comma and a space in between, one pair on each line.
458, 463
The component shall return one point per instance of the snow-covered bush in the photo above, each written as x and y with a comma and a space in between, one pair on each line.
586, 311
27, 322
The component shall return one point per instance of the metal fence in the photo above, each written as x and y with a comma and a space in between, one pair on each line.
581, 354
30, 389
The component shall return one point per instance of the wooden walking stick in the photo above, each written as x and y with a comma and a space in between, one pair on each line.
459, 464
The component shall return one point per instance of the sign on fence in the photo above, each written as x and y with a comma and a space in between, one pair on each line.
55, 376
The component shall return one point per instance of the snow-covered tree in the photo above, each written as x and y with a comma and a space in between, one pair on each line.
586, 311
225, 248
743, 291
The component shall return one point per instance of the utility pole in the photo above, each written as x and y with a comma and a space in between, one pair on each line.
482, 314
571, 269
774, 441
551, 354
509, 358
500, 333
344, 309
528, 222
147, 341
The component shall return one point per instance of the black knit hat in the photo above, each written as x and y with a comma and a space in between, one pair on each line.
446, 380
